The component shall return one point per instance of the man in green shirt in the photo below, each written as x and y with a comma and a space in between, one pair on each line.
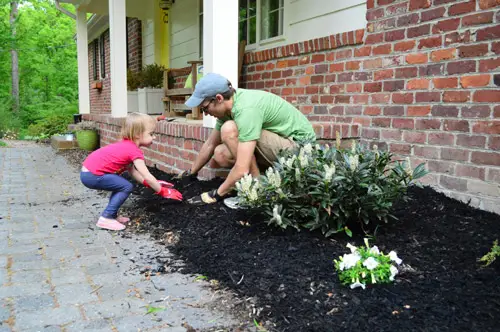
252, 127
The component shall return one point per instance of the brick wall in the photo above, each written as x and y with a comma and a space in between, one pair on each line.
421, 80
100, 99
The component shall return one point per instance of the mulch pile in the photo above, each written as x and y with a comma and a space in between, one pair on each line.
291, 276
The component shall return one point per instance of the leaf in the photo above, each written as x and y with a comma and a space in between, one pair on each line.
348, 231
154, 310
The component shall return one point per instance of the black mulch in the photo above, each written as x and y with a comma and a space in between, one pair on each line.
291, 274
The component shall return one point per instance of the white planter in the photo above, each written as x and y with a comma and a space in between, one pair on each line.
150, 100
132, 102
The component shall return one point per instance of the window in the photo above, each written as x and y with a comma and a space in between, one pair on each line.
248, 21
95, 51
270, 16
201, 28
271, 19
102, 56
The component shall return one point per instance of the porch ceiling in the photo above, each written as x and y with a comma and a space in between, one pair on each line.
142, 9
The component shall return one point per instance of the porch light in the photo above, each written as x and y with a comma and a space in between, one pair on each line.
165, 5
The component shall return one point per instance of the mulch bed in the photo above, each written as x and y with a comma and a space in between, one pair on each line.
291, 276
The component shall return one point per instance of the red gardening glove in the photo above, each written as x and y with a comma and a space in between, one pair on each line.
161, 182
170, 193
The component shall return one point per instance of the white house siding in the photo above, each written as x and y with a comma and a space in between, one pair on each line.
148, 42
184, 31
309, 19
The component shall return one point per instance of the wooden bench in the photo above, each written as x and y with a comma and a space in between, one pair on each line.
172, 94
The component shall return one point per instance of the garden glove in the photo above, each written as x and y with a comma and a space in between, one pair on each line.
209, 197
161, 182
170, 193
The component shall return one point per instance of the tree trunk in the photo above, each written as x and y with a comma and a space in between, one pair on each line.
14, 57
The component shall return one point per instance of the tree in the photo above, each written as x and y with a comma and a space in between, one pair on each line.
14, 56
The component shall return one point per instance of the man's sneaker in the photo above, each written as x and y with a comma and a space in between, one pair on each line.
233, 203
111, 224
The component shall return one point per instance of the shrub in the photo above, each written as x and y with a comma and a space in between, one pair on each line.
3, 144
86, 125
151, 76
51, 125
133, 80
328, 188
491, 256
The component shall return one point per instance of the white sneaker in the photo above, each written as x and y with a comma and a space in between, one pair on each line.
233, 203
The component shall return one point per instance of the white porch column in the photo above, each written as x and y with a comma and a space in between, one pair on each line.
118, 58
83, 62
220, 42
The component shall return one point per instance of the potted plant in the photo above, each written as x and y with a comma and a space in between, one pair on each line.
86, 135
150, 90
133, 83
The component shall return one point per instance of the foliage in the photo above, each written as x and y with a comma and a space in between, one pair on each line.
3, 144
151, 76
491, 256
133, 80
86, 125
328, 188
365, 266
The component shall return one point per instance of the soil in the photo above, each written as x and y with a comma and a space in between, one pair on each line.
287, 279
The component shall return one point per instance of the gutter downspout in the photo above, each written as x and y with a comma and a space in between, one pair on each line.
64, 11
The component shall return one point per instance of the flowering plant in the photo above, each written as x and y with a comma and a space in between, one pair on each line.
326, 188
365, 265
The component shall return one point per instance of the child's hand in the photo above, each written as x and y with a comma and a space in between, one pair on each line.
165, 184
170, 193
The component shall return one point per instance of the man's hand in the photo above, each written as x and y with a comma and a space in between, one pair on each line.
170, 193
187, 177
209, 197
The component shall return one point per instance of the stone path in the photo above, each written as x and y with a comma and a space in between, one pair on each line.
59, 273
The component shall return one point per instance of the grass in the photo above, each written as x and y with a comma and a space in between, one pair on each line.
3, 144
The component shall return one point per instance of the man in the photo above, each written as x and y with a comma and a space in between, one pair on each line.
252, 127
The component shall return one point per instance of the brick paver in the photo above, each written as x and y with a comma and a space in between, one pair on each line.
59, 273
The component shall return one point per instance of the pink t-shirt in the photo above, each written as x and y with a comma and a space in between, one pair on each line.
113, 158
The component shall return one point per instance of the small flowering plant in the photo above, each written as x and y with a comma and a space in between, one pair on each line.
366, 266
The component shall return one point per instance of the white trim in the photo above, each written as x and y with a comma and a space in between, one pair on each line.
118, 58
83, 63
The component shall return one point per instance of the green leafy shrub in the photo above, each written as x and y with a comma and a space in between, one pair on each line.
86, 125
133, 80
51, 125
366, 266
491, 256
328, 188
151, 76
3, 144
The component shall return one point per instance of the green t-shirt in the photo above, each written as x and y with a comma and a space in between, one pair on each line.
254, 110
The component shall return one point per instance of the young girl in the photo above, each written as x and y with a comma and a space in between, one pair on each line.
102, 169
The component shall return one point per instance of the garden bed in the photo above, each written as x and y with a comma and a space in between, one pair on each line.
290, 276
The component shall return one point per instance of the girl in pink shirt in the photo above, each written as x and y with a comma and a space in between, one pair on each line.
103, 168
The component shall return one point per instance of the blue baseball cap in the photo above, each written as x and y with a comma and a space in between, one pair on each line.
210, 85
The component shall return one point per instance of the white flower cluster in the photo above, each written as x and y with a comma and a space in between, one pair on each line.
355, 260
287, 162
354, 162
248, 187
303, 157
329, 172
276, 215
273, 177
408, 169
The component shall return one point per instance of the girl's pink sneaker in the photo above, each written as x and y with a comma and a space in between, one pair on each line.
111, 224
123, 220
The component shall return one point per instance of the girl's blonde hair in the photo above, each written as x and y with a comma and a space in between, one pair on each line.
136, 124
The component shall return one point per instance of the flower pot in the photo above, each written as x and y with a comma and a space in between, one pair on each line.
87, 139
132, 102
150, 100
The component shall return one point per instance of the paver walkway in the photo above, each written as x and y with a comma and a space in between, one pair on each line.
59, 273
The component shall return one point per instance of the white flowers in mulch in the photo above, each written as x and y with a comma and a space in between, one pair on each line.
366, 265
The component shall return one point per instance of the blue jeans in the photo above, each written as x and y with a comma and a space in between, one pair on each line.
120, 190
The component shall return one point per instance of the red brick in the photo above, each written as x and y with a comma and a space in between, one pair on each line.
394, 85
495, 47
456, 37
416, 58
440, 166
453, 183
385, 2
374, 14
456, 125
441, 138
427, 97
445, 111
454, 154
317, 79
404, 46
352, 65
380, 98
476, 111
494, 143
428, 152
446, 25
419, 4
318, 69
374, 63
400, 148
403, 123
391, 134
476, 19
487, 96
402, 98
487, 127
461, 67
470, 171
282, 64
407, 20
472, 51
462, 8
383, 74
373, 87
418, 31
485, 4
382, 49
374, 38
354, 87
336, 67
360, 99
394, 35
456, 96
371, 133
407, 72
432, 14
362, 51
370, 4
381, 122
489, 65
372, 110
496, 112
418, 84
474, 81
444, 54
414, 137
418, 110
488, 33
394, 110
397, 9
445, 83
430, 42
486, 158
471, 141
317, 58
